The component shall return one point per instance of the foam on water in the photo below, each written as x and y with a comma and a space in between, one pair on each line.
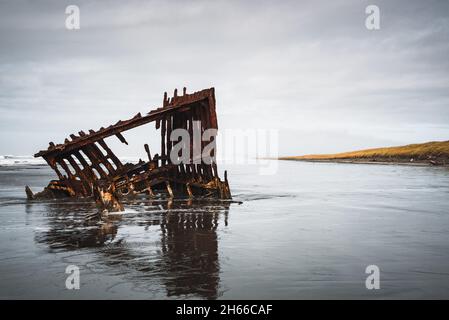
10, 160
119, 213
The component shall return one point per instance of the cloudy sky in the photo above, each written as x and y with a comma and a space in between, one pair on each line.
308, 68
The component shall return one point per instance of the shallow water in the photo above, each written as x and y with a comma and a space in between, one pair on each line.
308, 232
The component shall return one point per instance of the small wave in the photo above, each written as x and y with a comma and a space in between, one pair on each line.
10, 160
126, 211
42, 229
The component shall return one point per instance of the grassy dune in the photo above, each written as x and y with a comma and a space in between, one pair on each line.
436, 153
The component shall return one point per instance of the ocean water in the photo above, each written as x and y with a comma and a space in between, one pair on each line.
307, 232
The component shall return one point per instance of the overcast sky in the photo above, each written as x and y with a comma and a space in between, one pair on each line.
308, 68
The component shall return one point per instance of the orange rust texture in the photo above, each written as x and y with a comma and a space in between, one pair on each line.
81, 165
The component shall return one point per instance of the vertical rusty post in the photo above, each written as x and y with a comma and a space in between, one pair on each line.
163, 140
165, 101
190, 124
189, 190
169, 189
147, 150
169, 144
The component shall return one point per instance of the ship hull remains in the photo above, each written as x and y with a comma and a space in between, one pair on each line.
87, 167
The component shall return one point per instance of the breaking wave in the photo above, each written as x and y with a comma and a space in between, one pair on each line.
10, 160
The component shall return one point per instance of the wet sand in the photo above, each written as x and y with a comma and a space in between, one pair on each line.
307, 232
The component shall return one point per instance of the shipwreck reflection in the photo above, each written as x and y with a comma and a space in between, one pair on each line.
175, 242
191, 239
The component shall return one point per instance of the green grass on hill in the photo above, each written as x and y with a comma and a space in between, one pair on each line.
422, 151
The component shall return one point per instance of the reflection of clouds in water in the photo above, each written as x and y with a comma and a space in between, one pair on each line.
178, 244
305, 247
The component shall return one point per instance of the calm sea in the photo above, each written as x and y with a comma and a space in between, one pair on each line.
309, 231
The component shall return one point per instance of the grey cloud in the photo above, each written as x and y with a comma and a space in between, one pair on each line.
308, 68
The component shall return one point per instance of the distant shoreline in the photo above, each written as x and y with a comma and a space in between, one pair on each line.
435, 153
367, 161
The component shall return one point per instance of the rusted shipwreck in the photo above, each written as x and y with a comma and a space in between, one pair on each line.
87, 167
